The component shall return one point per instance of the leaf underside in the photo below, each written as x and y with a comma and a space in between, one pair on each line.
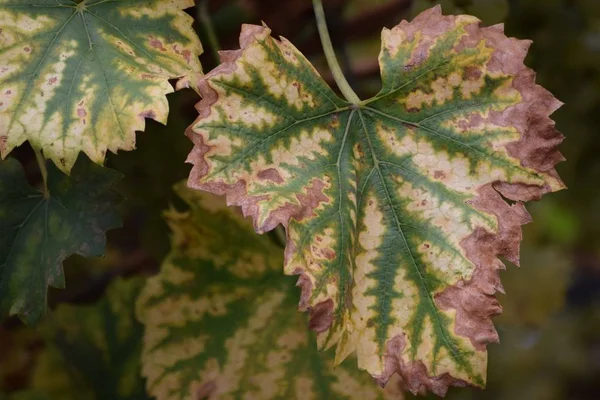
220, 321
83, 77
395, 208
39, 232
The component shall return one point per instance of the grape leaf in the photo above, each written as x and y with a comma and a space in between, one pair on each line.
220, 322
99, 346
39, 232
394, 207
82, 77
89, 351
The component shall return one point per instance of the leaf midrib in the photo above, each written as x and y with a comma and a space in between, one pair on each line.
433, 308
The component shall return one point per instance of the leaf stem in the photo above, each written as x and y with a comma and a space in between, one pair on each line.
336, 70
44, 171
209, 29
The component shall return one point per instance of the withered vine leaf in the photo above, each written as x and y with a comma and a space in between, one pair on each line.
83, 76
39, 232
395, 207
220, 321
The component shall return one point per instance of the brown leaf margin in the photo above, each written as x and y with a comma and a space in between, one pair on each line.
474, 300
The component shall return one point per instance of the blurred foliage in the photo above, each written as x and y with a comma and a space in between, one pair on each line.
79, 352
221, 320
550, 329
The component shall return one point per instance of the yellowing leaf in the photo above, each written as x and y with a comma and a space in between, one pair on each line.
83, 76
220, 319
394, 206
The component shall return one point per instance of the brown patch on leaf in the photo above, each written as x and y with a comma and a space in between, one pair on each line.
157, 44
148, 114
521, 192
414, 374
430, 24
81, 113
439, 174
204, 391
321, 316
335, 122
328, 254
474, 120
270, 174
187, 55
472, 73
52, 80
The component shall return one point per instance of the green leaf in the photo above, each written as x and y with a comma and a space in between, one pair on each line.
39, 232
394, 207
82, 77
220, 319
26, 395
99, 346
81, 352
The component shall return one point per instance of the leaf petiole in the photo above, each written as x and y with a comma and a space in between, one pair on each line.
209, 29
44, 171
332, 61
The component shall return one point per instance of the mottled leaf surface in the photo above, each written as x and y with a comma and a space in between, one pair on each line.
82, 77
39, 232
221, 321
396, 207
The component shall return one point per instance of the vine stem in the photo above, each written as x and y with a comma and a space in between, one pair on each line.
209, 29
332, 61
42, 164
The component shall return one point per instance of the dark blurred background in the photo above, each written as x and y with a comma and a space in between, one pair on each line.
550, 328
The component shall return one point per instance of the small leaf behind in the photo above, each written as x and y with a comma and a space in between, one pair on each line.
39, 233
